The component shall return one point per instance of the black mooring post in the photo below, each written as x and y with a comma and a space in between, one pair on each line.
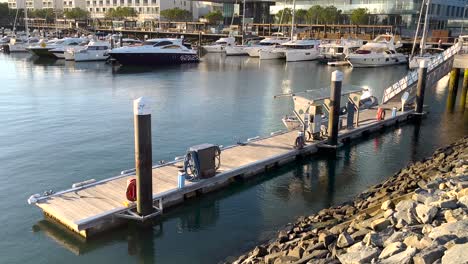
334, 115
422, 79
143, 156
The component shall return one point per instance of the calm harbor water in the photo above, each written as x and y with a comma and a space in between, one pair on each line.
66, 122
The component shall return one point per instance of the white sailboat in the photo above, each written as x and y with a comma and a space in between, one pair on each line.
238, 50
426, 53
20, 43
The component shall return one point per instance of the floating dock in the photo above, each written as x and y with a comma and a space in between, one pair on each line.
96, 207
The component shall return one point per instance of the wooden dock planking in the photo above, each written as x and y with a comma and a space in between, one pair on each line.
91, 205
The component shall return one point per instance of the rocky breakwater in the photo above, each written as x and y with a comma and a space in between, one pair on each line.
419, 215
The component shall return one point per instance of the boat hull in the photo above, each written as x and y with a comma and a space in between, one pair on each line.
88, 56
42, 52
236, 51
271, 54
59, 54
301, 55
17, 48
154, 58
363, 62
214, 48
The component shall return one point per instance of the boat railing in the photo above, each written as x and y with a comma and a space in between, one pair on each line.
412, 77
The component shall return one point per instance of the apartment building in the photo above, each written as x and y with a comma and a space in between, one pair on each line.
70, 4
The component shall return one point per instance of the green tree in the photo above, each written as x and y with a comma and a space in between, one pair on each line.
214, 17
121, 13
302, 16
314, 14
360, 16
176, 14
330, 15
76, 13
287, 16
46, 13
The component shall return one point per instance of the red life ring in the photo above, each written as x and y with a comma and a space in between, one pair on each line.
131, 190
380, 114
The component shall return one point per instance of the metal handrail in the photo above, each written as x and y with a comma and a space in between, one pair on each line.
412, 76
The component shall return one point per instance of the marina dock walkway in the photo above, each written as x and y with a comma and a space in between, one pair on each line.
93, 208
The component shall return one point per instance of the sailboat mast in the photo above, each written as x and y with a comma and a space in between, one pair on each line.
56, 24
426, 27
26, 28
243, 21
292, 20
417, 28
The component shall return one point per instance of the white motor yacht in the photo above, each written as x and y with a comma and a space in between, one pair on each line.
294, 50
379, 52
241, 50
302, 50
155, 52
267, 44
220, 45
69, 53
337, 50
61, 52
94, 51
44, 49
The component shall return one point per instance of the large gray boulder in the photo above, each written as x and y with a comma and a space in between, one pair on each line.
359, 253
458, 229
404, 257
406, 211
425, 213
457, 254
392, 249
429, 255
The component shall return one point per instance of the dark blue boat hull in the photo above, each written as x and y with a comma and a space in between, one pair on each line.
154, 58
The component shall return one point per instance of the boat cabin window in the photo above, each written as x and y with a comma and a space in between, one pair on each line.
221, 42
171, 47
340, 50
162, 43
73, 44
360, 51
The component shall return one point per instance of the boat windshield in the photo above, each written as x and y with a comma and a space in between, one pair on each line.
267, 43
147, 43
162, 43
97, 48
299, 46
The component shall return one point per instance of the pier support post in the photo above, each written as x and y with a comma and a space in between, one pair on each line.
464, 92
453, 83
334, 114
143, 156
422, 78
